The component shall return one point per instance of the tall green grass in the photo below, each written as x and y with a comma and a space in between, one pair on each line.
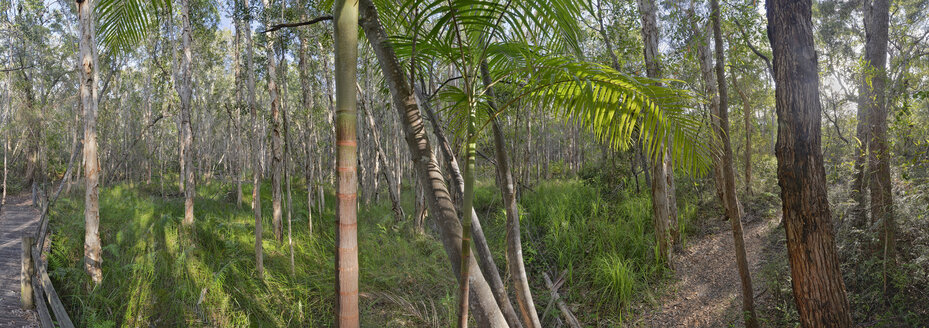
155, 270
603, 241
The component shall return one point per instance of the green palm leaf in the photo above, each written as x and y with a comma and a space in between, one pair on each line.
124, 24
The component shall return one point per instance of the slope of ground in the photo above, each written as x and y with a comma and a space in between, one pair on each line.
706, 291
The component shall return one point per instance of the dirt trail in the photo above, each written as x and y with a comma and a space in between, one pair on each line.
706, 291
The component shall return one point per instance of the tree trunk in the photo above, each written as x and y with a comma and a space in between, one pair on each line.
184, 93
514, 248
483, 306
733, 208
307, 102
747, 113
484, 256
818, 288
88, 89
346, 257
256, 142
380, 157
662, 202
878, 153
276, 148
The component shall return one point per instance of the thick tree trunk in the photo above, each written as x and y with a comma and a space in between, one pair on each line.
663, 203
256, 142
184, 94
514, 247
819, 290
733, 207
88, 89
483, 305
346, 258
276, 148
878, 153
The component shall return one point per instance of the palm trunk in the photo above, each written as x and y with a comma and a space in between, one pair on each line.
484, 256
88, 74
483, 305
733, 208
819, 290
346, 259
514, 248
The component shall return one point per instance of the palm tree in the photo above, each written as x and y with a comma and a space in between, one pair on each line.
588, 93
346, 258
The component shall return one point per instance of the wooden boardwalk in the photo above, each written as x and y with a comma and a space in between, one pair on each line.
18, 219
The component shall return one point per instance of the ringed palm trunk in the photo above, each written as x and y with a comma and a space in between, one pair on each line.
818, 288
481, 300
88, 89
184, 93
733, 208
466, 207
514, 248
256, 143
484, 256
346, 260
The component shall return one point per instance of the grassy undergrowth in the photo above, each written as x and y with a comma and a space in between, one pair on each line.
158, 273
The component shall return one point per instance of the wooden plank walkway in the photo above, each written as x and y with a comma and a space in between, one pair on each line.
18, 219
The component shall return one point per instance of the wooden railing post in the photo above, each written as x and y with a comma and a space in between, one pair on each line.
25, 279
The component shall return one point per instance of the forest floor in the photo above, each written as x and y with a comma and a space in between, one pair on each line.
706, 290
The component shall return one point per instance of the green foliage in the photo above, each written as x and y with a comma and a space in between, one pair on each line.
603, 243
155, 270
124, 24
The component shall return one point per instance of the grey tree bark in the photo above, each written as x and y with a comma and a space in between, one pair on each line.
88, 90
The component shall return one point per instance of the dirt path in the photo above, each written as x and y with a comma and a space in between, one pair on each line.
706, 291
18, 218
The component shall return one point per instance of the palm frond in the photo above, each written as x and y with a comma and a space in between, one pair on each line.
124, 24
616, 107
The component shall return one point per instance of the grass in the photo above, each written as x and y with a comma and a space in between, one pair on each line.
159, 273
155, 270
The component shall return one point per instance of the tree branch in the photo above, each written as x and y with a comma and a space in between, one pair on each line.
309, 22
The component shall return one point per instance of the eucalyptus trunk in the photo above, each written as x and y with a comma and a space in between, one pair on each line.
818, 288
876, 26
276, 147
88, 90
731, 202
256, 141
346, 259
184, 93
663, 204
